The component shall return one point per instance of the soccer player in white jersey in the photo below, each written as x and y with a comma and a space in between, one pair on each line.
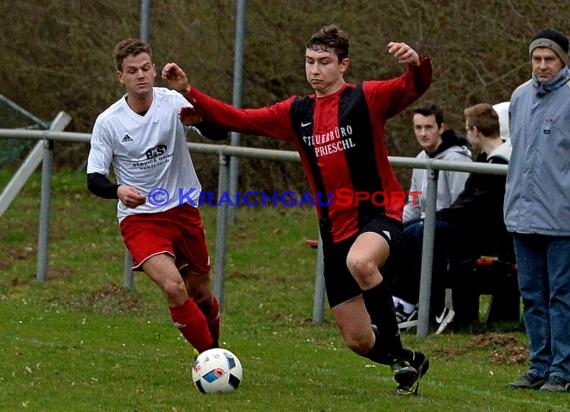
142, 137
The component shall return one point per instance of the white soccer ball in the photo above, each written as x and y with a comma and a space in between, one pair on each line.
217, 370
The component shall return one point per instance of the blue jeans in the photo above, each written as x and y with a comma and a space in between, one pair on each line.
544, 282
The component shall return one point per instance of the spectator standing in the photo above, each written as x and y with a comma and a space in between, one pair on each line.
537, 210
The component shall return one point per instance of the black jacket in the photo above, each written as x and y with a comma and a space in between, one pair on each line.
478, 212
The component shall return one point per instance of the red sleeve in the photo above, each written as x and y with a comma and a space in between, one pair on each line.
273, 121
389, 97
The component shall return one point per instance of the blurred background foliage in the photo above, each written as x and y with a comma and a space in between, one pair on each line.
56, 55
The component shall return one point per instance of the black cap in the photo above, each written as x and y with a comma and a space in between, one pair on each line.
550, 39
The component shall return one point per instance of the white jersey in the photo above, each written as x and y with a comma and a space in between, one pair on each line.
147, 152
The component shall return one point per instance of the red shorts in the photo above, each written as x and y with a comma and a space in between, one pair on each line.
178, 232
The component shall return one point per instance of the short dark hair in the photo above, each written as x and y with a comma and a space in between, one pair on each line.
484, 118
330, 37
129, 47
429, 109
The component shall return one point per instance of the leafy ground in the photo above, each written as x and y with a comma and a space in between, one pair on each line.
80, 341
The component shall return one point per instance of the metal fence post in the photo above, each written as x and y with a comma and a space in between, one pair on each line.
221, 228
319, 298
427, 254
241, 9
59, 123
128, 275
45, 200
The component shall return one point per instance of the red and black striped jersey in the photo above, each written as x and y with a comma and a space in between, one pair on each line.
340, 138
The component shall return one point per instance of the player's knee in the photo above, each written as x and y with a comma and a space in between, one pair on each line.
175, 290
359, 266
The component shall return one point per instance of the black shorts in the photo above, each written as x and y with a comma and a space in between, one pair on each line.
340, 284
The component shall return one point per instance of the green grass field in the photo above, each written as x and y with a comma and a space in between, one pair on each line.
81, 342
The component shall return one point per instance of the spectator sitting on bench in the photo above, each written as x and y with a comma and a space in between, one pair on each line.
437, 142
472, 226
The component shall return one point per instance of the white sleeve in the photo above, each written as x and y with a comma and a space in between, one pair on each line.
101, 151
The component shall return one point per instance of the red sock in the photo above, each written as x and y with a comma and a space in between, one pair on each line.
211, 311
193, 325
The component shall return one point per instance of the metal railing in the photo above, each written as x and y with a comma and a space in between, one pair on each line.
224, 152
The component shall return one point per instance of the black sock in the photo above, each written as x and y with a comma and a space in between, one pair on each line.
380, 307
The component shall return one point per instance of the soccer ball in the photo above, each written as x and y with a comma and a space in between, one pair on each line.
217, 370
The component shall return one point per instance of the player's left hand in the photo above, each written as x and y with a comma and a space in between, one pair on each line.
189, 116
404, 53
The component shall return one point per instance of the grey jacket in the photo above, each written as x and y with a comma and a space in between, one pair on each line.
449, 185
537, 198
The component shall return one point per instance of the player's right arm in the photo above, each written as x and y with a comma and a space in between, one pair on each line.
274, 121
99, 161
101, 186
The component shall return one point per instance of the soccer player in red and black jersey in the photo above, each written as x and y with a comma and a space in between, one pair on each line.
339, 133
